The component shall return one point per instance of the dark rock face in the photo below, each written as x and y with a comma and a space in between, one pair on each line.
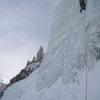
39, 58
30, 67
2, 87
40, 54
24, 73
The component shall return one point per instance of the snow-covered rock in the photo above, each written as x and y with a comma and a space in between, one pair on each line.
29, 68
73, 53
2, 86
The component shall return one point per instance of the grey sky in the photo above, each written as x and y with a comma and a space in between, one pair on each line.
24, 26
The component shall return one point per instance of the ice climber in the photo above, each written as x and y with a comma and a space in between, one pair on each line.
82, 5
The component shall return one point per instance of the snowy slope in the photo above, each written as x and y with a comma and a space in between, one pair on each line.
74, 45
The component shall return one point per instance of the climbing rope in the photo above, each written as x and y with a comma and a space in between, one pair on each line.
86, 57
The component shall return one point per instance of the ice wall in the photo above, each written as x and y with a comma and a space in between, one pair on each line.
74, 43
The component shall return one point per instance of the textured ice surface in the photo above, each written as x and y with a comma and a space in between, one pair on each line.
74, 43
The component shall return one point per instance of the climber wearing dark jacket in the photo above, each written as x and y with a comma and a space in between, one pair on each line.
82, 5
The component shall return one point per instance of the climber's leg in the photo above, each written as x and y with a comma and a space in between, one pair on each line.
81, 10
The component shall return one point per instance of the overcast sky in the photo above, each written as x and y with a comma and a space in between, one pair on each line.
24, 26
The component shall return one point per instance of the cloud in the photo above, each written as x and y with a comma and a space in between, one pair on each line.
24, 26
